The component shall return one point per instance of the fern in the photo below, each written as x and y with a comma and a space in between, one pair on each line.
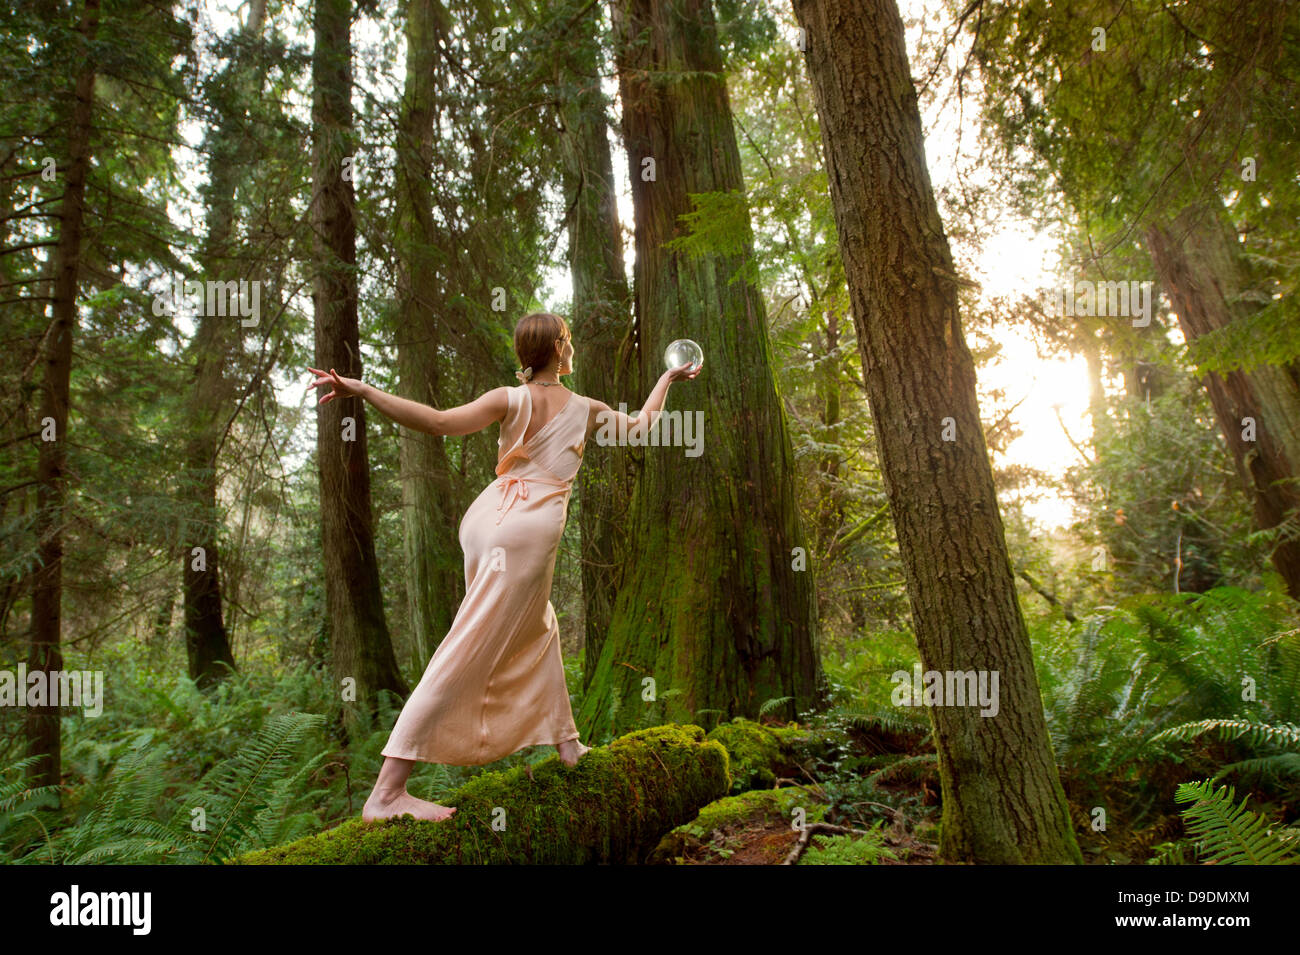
772, 704
248, 802
19, 803
910, 768
122, 825
242, 793
1231, 836
1286, 735
849, 849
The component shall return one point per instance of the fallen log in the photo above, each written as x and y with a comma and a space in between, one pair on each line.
612, 807
755, 807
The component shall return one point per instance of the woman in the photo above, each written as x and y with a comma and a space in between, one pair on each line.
496, 682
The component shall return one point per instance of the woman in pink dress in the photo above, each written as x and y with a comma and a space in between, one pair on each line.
496, 682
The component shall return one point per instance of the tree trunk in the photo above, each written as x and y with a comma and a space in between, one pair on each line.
717, 601
362, 652
1199, 264
44, 650
435, 573
1002, 796
601, 325
207, 643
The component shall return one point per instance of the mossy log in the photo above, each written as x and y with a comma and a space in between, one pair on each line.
613, 807
760, 754
757, 806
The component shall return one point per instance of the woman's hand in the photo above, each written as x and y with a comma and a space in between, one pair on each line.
683, 372
343, 387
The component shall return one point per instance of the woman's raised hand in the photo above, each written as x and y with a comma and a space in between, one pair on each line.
684, 372
342, 387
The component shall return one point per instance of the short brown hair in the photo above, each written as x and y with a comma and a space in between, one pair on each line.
535, 338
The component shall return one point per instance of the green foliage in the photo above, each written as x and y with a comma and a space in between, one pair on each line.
257, 798
1113, 681
718, 224
848, 849
1162, 490
1233, 836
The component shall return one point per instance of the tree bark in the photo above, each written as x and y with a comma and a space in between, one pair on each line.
435, 573
601, 324
1002, 796
1199, 264
715, 603
361, 650
42, 723
207, 642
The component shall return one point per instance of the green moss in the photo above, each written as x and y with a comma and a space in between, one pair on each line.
613, 807
759, 754
762, 806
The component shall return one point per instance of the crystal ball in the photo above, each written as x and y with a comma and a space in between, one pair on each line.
681, 352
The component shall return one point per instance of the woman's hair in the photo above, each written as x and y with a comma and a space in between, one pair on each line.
535, 338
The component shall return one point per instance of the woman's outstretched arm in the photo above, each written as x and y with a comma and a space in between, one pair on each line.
636, 427
464, 419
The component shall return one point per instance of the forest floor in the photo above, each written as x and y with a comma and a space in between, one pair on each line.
769, 842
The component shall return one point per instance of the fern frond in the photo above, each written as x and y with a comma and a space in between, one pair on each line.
772, 704
1285, 735
233, 788
1231, 835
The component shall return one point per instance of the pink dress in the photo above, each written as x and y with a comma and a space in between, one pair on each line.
496, 682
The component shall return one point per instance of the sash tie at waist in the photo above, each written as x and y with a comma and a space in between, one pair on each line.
520, 485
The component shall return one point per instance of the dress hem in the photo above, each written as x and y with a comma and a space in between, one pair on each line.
445, 762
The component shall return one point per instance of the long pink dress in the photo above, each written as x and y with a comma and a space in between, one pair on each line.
496, 682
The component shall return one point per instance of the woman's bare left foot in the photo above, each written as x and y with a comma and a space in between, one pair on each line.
571, 751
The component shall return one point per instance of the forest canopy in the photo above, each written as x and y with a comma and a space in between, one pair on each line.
1001, 393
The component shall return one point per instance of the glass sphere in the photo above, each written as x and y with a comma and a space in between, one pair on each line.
681, 352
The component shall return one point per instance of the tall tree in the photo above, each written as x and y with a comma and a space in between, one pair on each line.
600, 321
362, 652
1200, 264
717, 601
207, 643
45, 652
429, 515
1002, 795
1188, 159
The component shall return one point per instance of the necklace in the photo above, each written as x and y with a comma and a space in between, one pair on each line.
536, 382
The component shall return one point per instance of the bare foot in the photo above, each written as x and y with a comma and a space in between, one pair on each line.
571, 751
381, 806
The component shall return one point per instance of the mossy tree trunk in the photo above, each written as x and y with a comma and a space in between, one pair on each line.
1002, 796
717, 600
435, 577
362, 652
601, 324
612, 808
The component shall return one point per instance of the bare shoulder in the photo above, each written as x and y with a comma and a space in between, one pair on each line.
595, 408
497, 401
